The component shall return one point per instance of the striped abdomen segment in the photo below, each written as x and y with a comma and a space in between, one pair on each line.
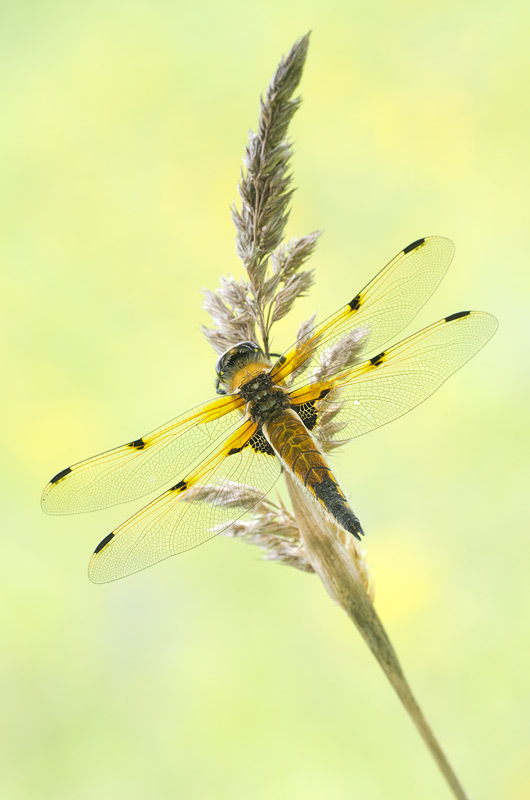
300, 453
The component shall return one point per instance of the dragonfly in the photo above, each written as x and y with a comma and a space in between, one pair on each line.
225, 455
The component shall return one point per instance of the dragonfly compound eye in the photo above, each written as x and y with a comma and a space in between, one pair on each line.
236, 355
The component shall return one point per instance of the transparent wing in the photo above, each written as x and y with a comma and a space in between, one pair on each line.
143, 465
385, 387
383, 308
226, 485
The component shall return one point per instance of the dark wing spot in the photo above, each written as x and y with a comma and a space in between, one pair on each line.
138, 444
104, 542
260, 444
458, 314
414, 245
307, 413
376, 360
355, 304
179, 487
61, 474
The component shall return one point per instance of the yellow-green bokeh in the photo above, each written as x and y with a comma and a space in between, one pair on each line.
216, 675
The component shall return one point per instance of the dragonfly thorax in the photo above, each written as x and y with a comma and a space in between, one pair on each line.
264, 398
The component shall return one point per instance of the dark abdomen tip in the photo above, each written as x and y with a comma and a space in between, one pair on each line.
333, 501
349, 522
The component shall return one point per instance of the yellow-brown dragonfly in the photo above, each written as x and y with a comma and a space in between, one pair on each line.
229, 452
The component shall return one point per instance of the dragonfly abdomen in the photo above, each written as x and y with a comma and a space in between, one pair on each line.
299, 452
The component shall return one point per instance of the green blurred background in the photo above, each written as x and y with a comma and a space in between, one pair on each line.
216, 675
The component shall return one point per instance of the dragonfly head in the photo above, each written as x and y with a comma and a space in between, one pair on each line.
234, 359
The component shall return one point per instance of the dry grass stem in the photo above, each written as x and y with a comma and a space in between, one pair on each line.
246, 310
343, 581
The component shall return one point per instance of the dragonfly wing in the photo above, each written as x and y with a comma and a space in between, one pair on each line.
382, 309
143, 465
390, 384
222, 488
